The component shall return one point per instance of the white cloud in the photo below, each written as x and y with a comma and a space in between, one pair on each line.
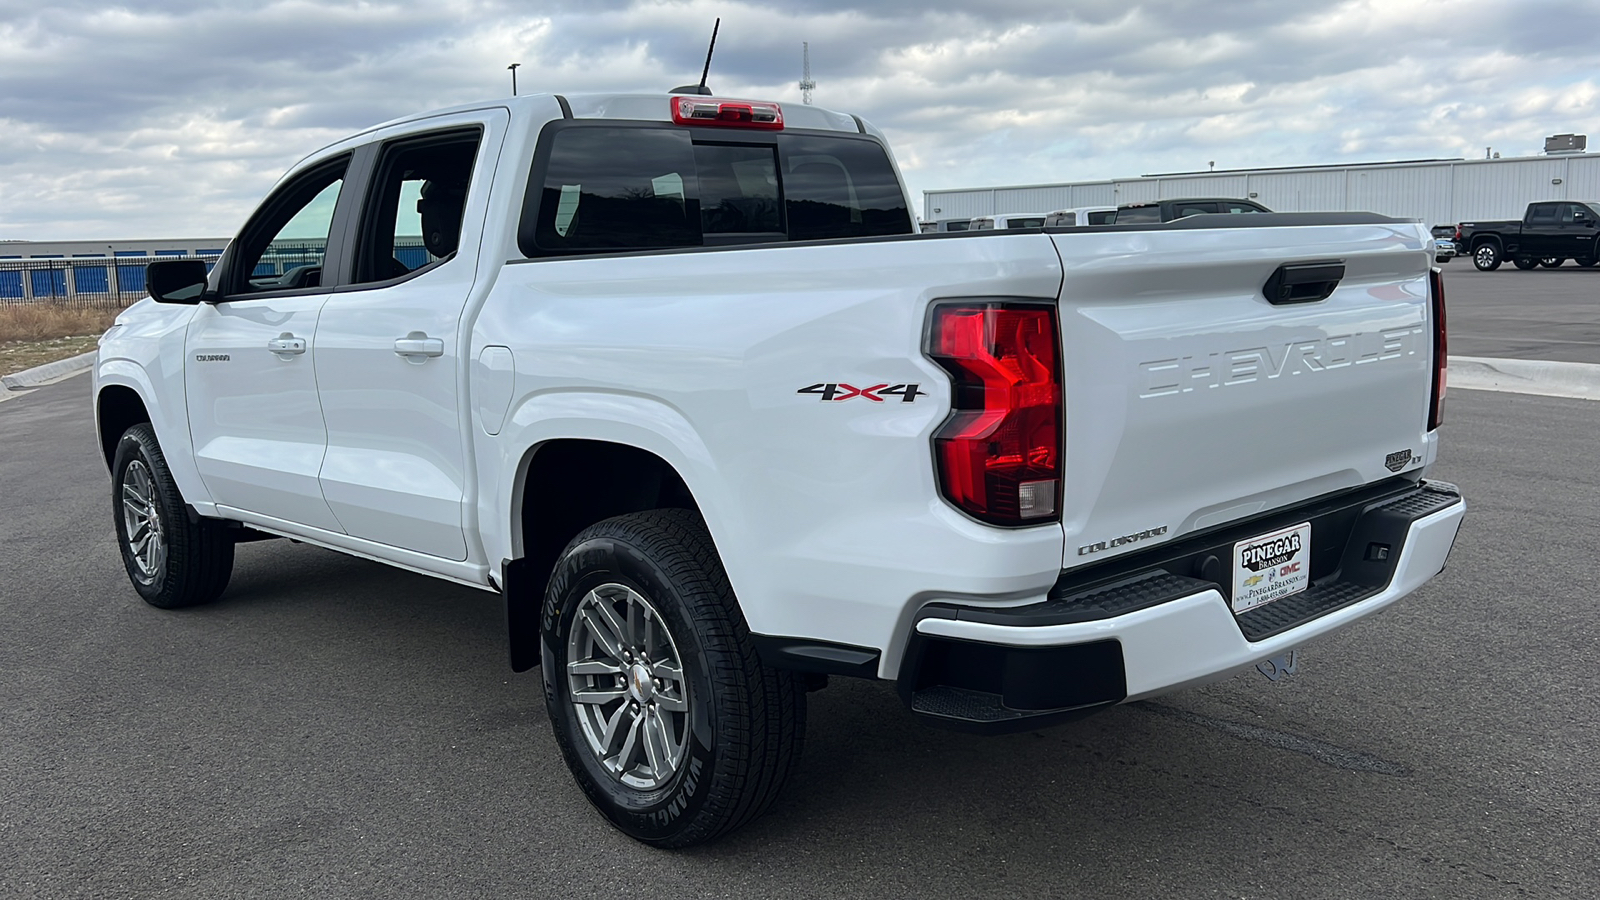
154, 119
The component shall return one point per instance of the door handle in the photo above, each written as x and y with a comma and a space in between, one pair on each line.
287, 344
417, 346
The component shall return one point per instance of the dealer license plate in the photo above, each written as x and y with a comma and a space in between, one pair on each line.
1271, 567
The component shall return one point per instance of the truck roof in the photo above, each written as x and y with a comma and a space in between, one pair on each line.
645, 106
649, 106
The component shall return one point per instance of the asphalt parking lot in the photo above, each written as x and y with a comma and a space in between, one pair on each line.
335, 728
1511, 314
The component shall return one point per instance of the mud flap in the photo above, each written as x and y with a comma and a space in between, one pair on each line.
522, 614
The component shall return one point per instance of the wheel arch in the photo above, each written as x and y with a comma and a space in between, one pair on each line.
564, 485
118, 407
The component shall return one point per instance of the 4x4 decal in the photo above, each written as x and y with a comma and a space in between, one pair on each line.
836, 391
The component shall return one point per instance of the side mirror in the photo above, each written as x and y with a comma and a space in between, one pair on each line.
176, 280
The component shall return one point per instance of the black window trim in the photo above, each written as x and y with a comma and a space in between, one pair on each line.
529, 217
356, 230
333, 253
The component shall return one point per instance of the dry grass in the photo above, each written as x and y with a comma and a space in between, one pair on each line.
32, 334
47, 321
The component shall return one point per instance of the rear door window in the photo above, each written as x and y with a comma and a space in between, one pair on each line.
1138, 214
1542, 213
1181, 210
1239, 207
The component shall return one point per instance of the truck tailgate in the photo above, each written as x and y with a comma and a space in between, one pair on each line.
1191, 401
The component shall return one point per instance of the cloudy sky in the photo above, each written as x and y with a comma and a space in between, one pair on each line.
171, 119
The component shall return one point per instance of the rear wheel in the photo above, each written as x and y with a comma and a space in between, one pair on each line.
1525, 262
1486, 257
664, 713
1552, 262
1585, 261
171, 560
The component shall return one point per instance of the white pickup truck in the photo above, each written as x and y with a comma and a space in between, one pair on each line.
674, 376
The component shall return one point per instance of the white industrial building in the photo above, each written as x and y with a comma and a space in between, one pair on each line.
1437, 191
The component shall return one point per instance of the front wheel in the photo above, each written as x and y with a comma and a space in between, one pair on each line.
1486, 257
663, 711
1525, 262
1552, 262
171, 560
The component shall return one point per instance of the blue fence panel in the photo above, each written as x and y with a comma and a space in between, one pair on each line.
49, 283
130, 279
10, 285
412, 257
87, 279
91, 280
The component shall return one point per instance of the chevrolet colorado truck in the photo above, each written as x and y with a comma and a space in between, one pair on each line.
677, 380
1548, 234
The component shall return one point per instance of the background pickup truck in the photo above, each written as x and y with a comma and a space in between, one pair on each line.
1167, 210
676, 378
1550, 234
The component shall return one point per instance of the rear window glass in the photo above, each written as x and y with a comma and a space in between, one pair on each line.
1138, 214
628, 188
1029, 222
1103, 218
738, 189
604, 194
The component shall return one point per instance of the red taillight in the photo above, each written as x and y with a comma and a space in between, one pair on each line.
727, 113
999, 453
1458, 237
1441, 351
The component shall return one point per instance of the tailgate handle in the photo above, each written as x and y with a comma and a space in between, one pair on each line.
1303, 282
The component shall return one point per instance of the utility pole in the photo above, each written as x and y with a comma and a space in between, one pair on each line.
513, 68
806, 84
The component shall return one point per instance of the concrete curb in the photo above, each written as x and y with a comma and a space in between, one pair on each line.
1526, 376
42, 375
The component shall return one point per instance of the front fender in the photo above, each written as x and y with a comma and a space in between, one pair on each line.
171, 426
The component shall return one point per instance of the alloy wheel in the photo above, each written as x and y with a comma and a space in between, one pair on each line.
141, 522
627, 686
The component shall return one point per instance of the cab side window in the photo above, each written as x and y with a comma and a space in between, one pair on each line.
282, 247
413, 214
1542, 213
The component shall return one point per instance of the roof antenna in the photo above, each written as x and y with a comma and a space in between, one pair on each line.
701, 87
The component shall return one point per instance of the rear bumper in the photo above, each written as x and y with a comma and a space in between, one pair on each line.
1162, 622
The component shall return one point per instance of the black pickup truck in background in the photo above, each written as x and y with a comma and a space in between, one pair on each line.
1549, 234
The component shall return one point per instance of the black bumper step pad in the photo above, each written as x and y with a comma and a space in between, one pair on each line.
1103, 602
965, 705
1297, 609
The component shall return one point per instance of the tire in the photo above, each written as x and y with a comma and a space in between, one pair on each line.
1552, 262
172, 561
1586, 261
1525, 262
671, 760
1486, 257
